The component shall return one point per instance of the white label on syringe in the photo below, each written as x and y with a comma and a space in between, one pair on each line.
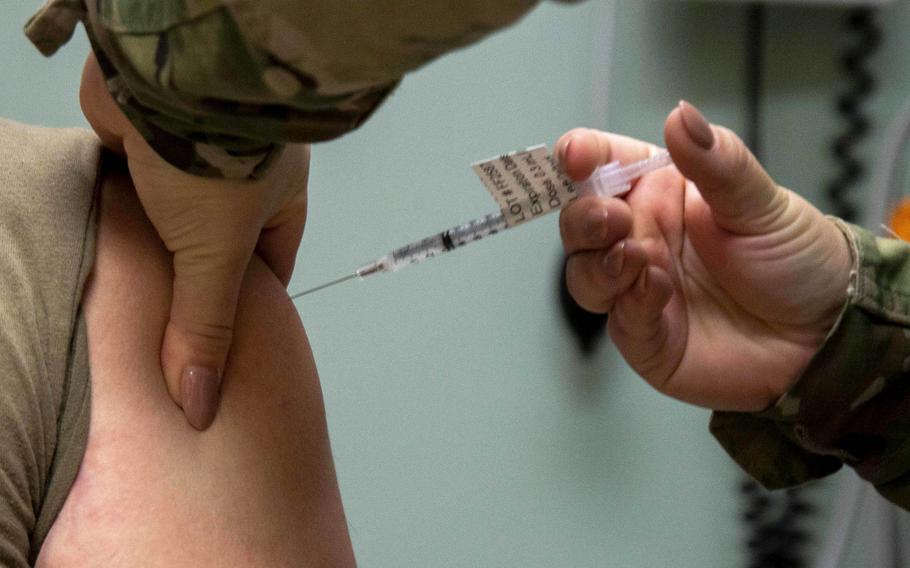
526, 184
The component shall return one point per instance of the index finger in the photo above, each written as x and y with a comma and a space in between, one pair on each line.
592, 223
582, 150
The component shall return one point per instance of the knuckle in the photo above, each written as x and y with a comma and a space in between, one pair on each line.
584, 285
207, 338
566, 222
740, 158
624, 324
199, 343
574, 279
201, 261
568, 228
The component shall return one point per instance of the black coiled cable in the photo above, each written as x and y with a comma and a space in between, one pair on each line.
777, 535
774, 520
862, 23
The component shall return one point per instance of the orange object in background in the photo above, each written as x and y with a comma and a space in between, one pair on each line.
900, 219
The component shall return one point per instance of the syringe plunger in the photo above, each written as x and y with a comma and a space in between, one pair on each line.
616, 179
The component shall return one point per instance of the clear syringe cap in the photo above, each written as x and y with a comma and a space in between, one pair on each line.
615, 179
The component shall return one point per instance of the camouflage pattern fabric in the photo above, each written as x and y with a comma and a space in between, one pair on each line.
852, 404
216, 86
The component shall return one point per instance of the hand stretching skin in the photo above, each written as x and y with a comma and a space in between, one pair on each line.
720, 284
212, 227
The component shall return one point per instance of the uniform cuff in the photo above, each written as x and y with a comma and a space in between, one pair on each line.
852, 403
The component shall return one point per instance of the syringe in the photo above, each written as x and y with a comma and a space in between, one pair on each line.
609, 180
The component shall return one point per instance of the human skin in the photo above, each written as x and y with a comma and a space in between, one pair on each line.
212, 226
720, 284
258, 488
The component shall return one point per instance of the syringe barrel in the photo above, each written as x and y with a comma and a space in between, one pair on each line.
607, 180
445, 241
477, 229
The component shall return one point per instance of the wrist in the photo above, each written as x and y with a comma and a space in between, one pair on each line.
844, 262
100, 109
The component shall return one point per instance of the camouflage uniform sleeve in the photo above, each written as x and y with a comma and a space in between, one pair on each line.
216, 86
852, 404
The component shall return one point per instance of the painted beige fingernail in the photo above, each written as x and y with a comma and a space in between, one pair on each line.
200, 389
613, 261
564, 151
596, 224
696, 125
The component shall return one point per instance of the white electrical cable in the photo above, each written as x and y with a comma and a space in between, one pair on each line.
886, 179
886, 188
850, 493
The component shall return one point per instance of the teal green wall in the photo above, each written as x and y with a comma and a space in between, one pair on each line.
467, 429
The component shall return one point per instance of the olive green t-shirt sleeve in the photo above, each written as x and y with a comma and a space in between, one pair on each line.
852, 404
216, 86
47, 228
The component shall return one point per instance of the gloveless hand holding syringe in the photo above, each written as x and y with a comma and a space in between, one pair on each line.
527, 185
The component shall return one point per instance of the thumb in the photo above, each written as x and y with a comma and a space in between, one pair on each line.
741, 195
199, 333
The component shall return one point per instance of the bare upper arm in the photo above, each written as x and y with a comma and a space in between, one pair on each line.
256, 489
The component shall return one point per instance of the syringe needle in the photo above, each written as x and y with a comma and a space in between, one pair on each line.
326, 285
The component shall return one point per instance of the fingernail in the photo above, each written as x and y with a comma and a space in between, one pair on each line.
696, 125
564, 151
596, 224
643, 282
201, 391
614, 259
